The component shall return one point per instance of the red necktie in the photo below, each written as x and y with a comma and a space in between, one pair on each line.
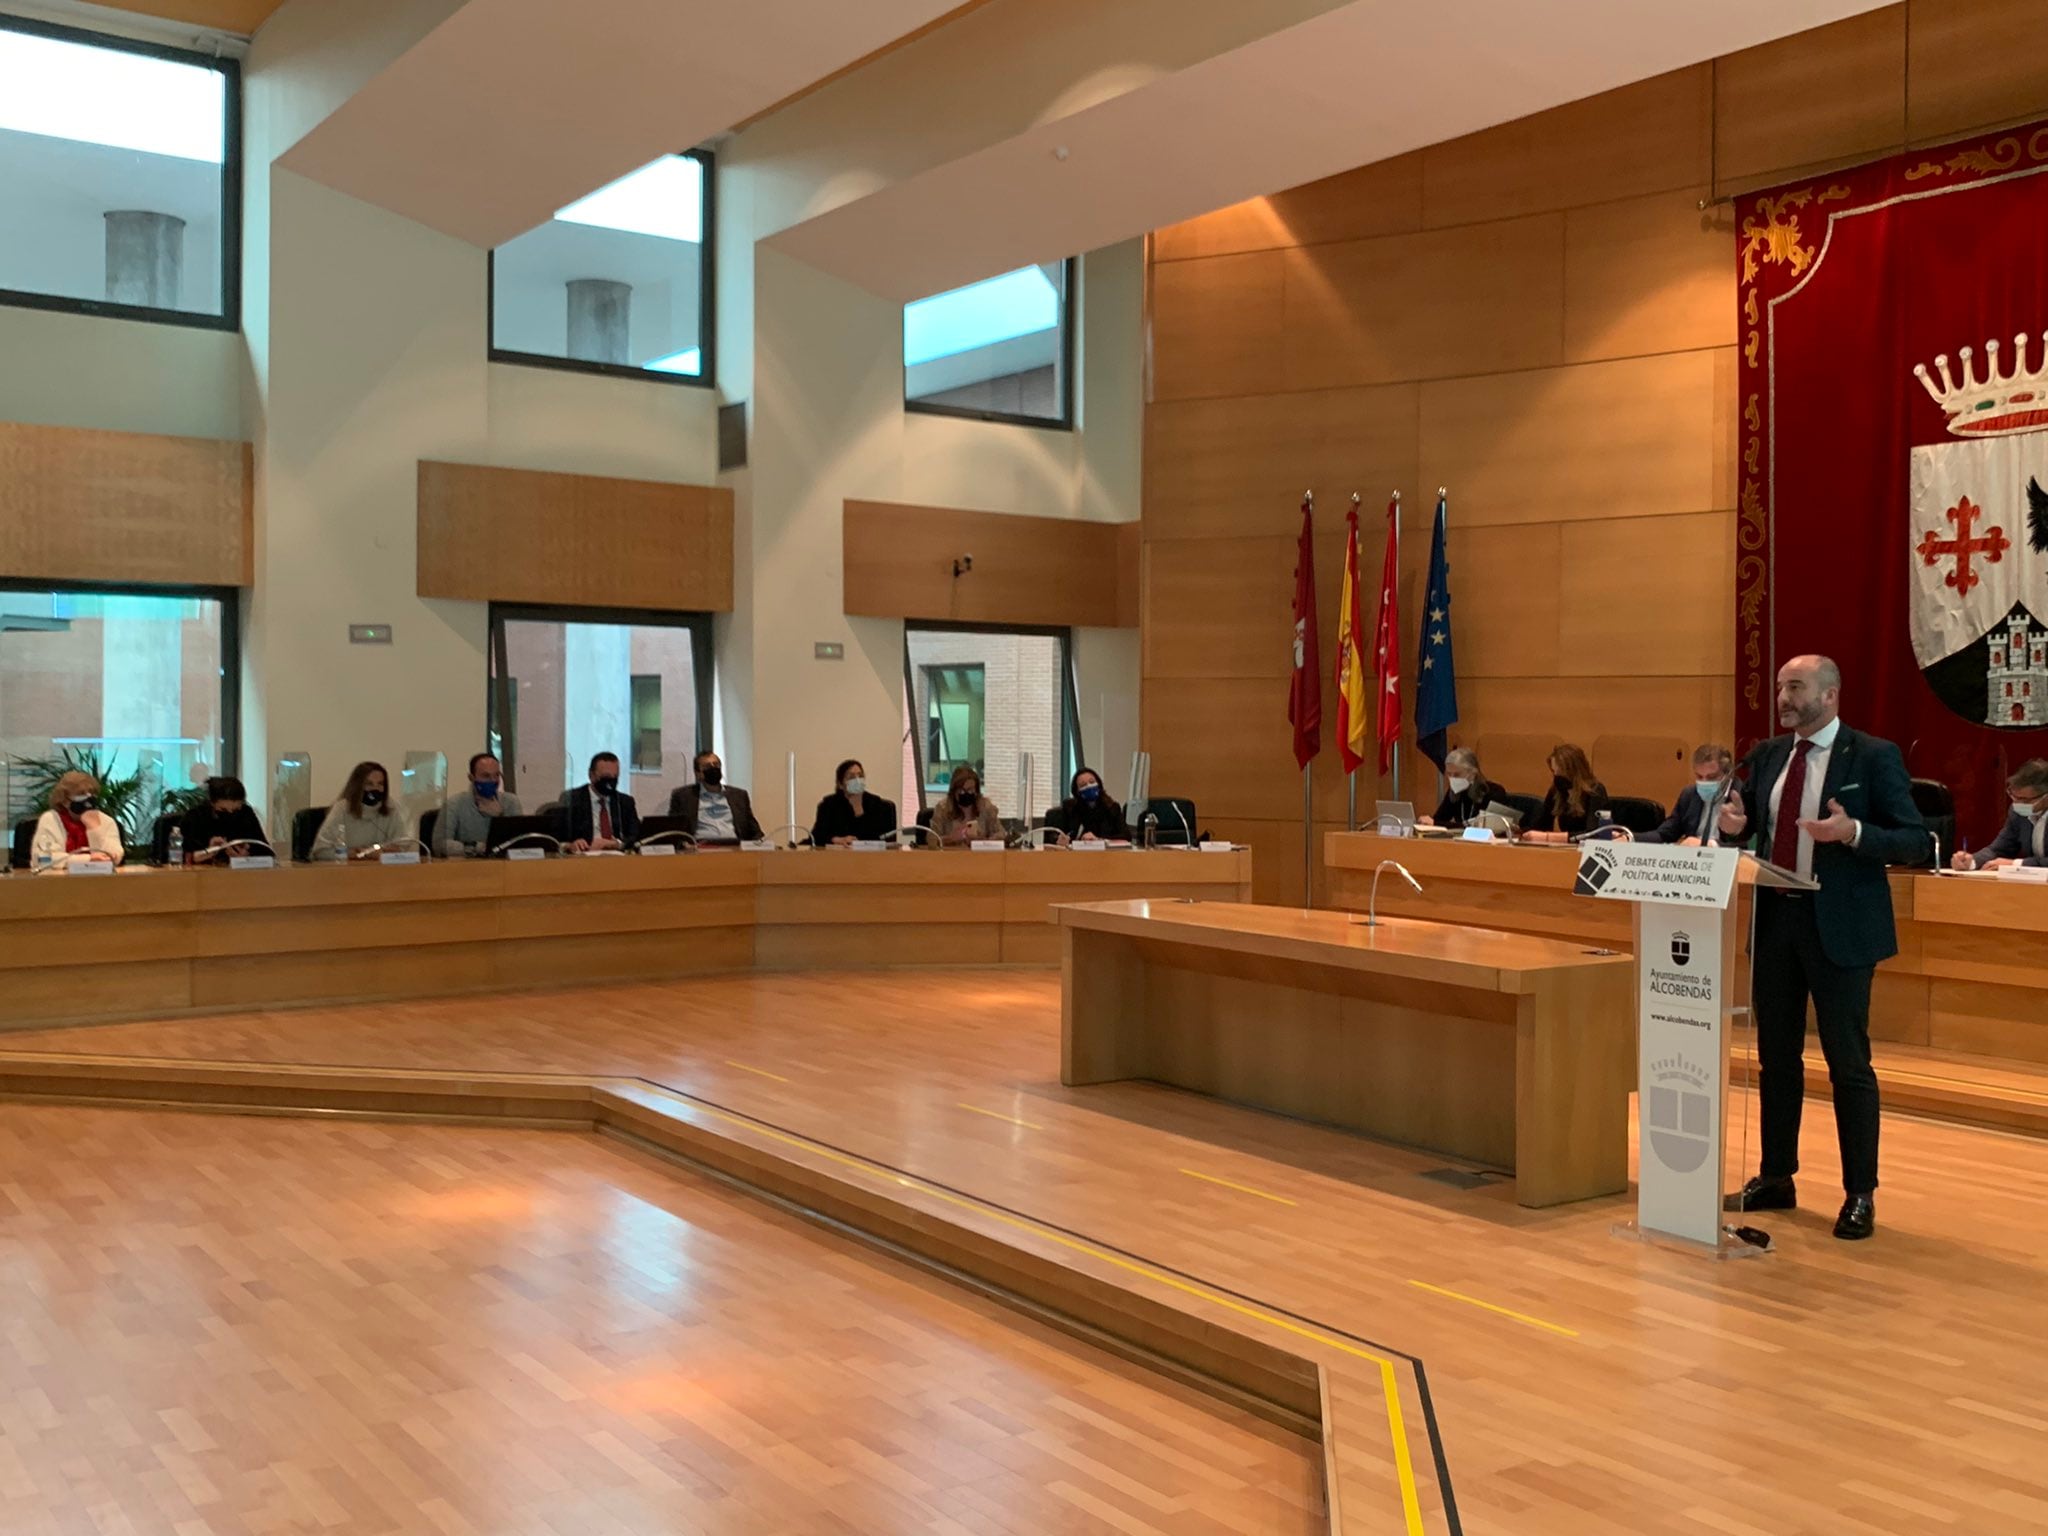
604, 819
1785, 829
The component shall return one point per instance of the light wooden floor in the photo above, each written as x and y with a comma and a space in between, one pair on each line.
1586, 1386
230, 1326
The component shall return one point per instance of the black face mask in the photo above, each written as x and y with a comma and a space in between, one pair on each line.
607, 785
713, 776
1560, 783
80, 804
965, 797
372, 798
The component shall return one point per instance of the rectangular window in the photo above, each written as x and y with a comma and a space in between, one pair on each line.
999, 350
986, 697
136, 686
120, 177
618, 282
569, 683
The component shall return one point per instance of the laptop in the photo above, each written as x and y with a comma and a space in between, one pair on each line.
504, 828
1400, 812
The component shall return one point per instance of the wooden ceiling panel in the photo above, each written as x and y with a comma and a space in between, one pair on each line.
239, 16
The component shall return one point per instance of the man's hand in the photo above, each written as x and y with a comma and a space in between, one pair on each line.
581, 845
1835, 827
1965, 861
1733, 820
602, 843
842, 842
1090, 837
1998, 864
1688, 842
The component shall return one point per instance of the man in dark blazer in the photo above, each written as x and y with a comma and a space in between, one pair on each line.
596, 815
1699, 802
2024, 837
712, 810
1837, 806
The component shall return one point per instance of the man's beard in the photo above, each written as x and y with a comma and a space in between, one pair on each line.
1796, 717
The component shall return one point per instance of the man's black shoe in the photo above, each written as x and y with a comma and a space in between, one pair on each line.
1762, 1194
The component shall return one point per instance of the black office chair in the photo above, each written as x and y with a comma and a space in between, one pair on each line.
924, 818
160, 839
1936, 804
24, 840
1637, 814
1176, 817
428, 820
306, 827
1525, 805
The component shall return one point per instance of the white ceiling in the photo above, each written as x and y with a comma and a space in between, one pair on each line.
510, 109
1361, 83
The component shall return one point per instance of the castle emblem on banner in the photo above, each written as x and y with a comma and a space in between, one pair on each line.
1979, 538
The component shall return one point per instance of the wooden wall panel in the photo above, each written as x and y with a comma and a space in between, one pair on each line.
1975, 63
531, 536
1541, 317
1218, 607
1384, 198
1236, 467
1027, 570
1639, 437
1648, 274
1619, 579
77, 505
1505, 592
1770, 121
1429, 305
1648, 137
1214, 325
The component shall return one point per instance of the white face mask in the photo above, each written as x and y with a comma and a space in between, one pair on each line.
2026, 810
1458, 784
856, 785
1707, 788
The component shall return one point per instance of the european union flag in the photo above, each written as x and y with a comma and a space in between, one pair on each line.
1436, 688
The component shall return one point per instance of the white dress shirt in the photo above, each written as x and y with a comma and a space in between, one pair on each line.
1810, 797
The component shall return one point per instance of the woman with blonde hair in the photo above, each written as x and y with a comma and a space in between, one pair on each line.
966, 814
1575, 800
74, 829
363, 820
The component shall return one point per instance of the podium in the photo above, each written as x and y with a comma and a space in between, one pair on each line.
1688, 946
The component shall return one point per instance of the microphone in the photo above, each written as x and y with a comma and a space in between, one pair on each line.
526, 837
896, 837
1186, 830
799, 829
662, 837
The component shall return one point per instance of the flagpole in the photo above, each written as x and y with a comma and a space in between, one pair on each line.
1397, 588
1308, 837
1443, 500
1358, 642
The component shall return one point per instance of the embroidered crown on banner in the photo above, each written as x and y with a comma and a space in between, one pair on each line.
1993, 404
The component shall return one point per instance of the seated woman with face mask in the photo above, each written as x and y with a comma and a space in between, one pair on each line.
363, 819
1466, 792
1088, 815
74, 830
966, 814
850, 814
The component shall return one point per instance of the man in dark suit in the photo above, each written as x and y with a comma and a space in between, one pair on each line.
1691, 818
713, 811
1836, 806
2024, 837
598, 817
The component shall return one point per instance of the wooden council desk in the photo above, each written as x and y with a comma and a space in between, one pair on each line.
150, 943
1971, 975
1500, 1049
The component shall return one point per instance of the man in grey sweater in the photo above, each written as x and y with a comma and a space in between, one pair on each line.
465, 820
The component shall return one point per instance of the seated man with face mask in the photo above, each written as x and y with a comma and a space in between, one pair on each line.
464, 827
713, 811
1692, 817
1466, 792
2024, 837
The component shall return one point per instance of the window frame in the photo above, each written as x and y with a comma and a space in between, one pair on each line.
703, 669
230, 600
1067, 420
230, 316
1074, 752
707, 307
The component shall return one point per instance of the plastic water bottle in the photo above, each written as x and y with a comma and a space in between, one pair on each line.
177, 848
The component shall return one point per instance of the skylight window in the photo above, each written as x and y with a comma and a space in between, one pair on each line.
94, 95
999, 309
664, 199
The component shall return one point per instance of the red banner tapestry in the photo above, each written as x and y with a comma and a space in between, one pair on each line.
1893, 454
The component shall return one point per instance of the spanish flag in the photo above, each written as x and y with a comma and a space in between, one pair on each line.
1350, 679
